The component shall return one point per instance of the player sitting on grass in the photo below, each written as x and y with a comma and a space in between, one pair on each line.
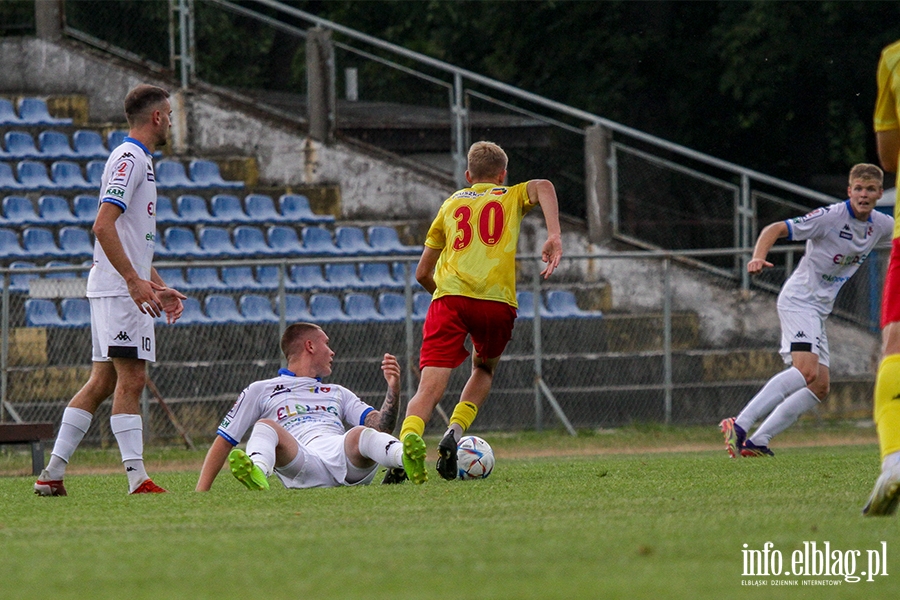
298, 425
838, 238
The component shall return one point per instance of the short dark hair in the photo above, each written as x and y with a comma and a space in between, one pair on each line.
140, 99
294, 333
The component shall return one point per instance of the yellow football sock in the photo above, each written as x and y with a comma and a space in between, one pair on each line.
887, 405
412, 424
464, 414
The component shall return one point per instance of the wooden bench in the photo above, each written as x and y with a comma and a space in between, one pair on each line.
28, 433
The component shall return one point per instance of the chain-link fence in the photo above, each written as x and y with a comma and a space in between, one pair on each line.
622, 338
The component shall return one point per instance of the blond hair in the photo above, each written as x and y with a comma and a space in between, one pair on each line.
486, 160
867, 172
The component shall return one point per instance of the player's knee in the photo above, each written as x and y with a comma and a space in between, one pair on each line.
810, 374
820, 389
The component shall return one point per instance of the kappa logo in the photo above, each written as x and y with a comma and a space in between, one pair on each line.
279, 389
127, 155
122, 337
846, 233
800, 335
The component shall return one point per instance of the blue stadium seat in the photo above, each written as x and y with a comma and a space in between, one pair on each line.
267, 276
392, 306
295, 207
342, 276
40, 312
85, 208
378, 276
54, 145
307, 278
221, 309
296, 309
165, 212
216, 241
352, 241
174, 277
261, 209
257, 309
67, 175
192, 210
317, 240
18, 283
180, 243
193, 314
8, 180
170, 175
239, 279
203, 278
525, 300
250, 241
19, 146
227, 209
562, 304
283, 240
10, 248
76, 242
40, 243
326, 308
33, 176
54, 210
115, 138
89, 145
76, 312
94, 170
33, 111
361, 308
8, 115
386, 241
421, 302
206, 173
18, 210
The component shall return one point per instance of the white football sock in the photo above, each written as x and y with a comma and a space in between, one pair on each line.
129, 432
261, 447
890, 461
776, 389
75, 423
784, 415
383, 448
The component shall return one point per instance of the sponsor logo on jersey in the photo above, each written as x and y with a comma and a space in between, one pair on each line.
151, 209
811, 215
498, 191
234, 409
834, 278
850, 259
320, 389
121, 173
846, 235
115, 190
466, 194
287, 411
150, 237
150, 175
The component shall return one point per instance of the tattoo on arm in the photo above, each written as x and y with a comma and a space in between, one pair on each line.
385, 419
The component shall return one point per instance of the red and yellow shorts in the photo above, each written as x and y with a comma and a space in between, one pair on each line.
451, 318
890, 296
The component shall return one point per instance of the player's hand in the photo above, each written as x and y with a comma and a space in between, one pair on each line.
551, 254
171, 303
143, 292
756, 265
390, 367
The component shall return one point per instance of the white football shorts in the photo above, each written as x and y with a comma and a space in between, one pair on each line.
120, 330
325, 465
803, 331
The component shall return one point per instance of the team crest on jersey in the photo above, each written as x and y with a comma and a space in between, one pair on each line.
320, 389
122, 172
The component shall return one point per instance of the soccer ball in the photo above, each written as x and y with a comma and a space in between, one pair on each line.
475, 458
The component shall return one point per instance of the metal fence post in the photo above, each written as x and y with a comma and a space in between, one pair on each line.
4, 347
408, 324
458, 110
744, 225
667, 337
536, 337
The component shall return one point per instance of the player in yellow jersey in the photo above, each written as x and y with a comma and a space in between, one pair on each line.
468, 266
886, 495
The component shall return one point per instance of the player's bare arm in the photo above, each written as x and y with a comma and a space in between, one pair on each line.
888, 149
142, 291
169, 298
767, 238
425, 269
212, 464
386, 419
541, 191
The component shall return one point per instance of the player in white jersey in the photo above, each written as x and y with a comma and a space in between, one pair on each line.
125, 293
298, 424
839, 238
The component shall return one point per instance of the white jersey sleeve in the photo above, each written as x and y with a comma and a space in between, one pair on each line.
244, 414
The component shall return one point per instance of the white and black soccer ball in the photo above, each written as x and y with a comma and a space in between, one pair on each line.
475, 458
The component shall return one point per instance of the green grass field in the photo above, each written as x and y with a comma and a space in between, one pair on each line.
648, 512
